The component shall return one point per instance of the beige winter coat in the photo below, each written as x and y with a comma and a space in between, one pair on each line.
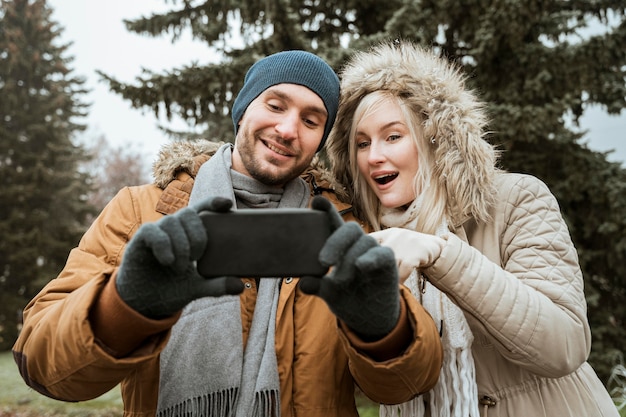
521, 289
509, 264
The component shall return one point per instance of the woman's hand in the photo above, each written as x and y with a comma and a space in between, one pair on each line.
412, 249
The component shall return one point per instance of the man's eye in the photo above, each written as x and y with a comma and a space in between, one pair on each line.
311, 122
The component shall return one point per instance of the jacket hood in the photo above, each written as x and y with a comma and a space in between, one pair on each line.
188, 155
181, 156
454, 120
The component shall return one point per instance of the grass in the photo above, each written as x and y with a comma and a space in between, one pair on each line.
617, 386
365, 406
19, 400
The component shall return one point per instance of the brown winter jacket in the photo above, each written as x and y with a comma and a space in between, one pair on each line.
76, 327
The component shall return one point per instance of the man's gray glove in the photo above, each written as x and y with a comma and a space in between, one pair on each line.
158, 275
362, 287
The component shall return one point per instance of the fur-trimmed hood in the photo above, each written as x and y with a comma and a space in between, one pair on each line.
454, 120
181, 155
188, 155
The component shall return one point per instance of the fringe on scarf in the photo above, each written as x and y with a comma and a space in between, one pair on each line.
415, 407
221, 403
224, 404
266, 404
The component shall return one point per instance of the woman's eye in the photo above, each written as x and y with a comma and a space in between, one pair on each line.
394, 137
362, 144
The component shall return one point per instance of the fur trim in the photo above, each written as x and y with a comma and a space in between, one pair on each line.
180, 156
454, 120
319, 173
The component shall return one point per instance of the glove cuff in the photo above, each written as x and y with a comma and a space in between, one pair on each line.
117, 327
391, 345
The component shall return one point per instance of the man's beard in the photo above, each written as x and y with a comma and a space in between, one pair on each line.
255, 168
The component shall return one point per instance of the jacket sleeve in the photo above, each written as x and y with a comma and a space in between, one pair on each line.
532, 306
415, 371
57, 352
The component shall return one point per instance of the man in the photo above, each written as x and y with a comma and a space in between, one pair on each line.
181, 344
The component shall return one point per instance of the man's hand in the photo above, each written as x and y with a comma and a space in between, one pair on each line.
362, 287
412, 249
158, 275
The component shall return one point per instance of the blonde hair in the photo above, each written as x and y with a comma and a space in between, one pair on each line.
423, 182
457, 165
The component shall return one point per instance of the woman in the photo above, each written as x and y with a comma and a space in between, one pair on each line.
506, 287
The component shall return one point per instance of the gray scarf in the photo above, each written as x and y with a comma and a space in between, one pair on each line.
204, 369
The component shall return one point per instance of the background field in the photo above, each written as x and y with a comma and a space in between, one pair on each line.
18, 400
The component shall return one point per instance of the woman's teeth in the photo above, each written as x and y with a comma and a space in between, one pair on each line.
384, 179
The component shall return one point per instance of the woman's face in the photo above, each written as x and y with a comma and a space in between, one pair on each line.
387, 154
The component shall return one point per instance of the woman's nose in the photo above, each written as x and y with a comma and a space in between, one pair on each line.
376, 153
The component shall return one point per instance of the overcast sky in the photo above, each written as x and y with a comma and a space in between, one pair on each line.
101, 42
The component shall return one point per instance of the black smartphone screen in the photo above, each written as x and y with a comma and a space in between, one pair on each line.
264, 243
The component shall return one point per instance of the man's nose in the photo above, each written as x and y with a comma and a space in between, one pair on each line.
287, 127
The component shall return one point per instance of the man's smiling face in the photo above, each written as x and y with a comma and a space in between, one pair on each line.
279, 134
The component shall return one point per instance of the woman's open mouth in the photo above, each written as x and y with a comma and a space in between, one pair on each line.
385, 179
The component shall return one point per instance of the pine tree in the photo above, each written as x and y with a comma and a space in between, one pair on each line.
536, 64
42, 209
203, 95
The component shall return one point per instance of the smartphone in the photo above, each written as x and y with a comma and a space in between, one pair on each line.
264, 243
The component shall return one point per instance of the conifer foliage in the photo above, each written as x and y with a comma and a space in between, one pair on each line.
42, 208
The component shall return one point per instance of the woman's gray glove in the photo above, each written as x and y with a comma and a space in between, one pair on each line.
158, 275
362, 288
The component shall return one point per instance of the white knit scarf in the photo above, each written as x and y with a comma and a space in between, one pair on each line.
456, 393
204, 370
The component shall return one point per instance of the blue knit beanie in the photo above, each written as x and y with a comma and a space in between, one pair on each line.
293, 67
